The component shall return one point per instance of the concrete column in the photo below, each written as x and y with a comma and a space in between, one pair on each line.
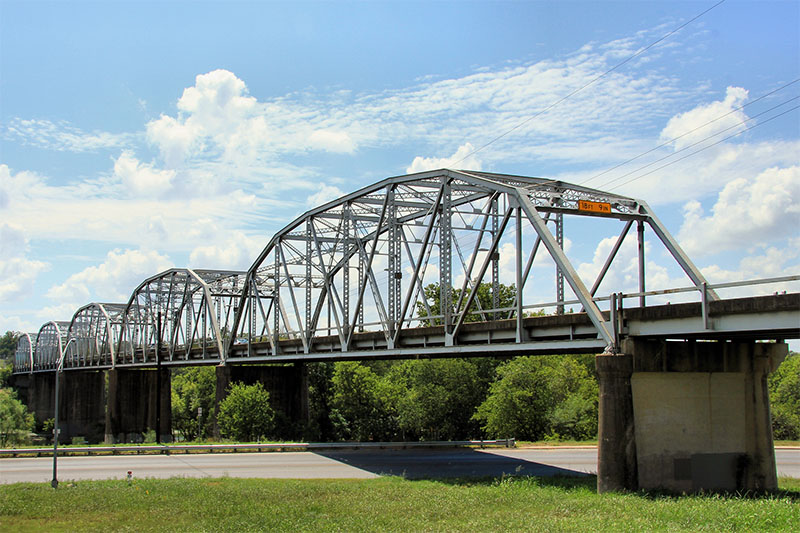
223, 374
616, 450
131, 407
287, 387
82, 406
700, 416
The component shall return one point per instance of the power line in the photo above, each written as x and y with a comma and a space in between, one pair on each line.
606, 184
592, 82
688, 132
707, 147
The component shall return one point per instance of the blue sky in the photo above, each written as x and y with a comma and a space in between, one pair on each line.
137, 136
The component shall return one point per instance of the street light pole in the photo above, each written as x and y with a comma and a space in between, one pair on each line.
56, 429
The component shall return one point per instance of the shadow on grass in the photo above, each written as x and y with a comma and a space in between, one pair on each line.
439, 464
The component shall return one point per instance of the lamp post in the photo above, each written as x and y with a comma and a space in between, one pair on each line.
56, 430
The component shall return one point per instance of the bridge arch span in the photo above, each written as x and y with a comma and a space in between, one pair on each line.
23, 356
93, 335
362, 262
184, 312
50, 343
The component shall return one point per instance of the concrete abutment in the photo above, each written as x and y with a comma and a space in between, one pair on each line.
687, 416
287, 386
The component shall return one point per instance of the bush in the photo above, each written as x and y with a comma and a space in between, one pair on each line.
784, 390
245, 414
193, 388
534, 398
15, 421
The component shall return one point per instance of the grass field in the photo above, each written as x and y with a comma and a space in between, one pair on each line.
384, 504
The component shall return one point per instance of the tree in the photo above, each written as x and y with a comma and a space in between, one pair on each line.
15, 420
362, 408
541, 397
193, 388
245, 414
507, 295
8, 345
435, 399
6, 369
784, 391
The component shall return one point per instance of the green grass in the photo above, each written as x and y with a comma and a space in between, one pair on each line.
384, 504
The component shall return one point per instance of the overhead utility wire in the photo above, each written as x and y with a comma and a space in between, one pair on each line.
592, 82
606, 184
707, 147
688, 132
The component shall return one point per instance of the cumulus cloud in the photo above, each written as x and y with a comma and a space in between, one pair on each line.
236, 252
17, 272
140, 178
707, 120
746, 213
324, 194
113, 280
463, 158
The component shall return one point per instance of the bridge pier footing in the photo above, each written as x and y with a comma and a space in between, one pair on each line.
132, 405
686, 416
287, 386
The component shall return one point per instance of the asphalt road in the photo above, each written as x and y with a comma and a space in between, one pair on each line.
412, 463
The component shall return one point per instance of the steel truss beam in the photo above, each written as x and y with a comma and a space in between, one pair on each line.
365, 263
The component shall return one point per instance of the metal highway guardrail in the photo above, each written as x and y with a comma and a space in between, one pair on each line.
257, 447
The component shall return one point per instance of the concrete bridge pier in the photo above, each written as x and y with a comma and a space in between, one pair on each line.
687, 416
81, 408
132, 405
287, 386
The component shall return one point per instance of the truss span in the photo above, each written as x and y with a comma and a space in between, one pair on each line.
362, 262
398, 267
179, 311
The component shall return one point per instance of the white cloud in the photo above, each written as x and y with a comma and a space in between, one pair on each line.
63, 137
332, 141
140, 178
747, 213
17, 272
325, 194
236, 252
463, 158
113, 280
681, 127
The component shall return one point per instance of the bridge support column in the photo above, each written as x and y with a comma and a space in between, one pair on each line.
616, 451
131, 407
40, 398
700, 416
288, 392
82, 406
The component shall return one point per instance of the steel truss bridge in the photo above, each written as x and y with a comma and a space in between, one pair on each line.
395, 270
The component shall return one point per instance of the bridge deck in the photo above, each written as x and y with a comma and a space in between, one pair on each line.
773, 317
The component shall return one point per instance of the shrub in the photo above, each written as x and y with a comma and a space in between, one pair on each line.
245, 414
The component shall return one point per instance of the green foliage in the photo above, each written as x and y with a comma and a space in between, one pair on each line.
784, 390
435, 399
362, 406
507, 294
8, 345
245, 414
541, 397
6, 368
15, 420
193, 388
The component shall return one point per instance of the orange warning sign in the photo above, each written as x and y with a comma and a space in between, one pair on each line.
594, 207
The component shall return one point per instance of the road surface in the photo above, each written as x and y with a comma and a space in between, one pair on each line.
411, 463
